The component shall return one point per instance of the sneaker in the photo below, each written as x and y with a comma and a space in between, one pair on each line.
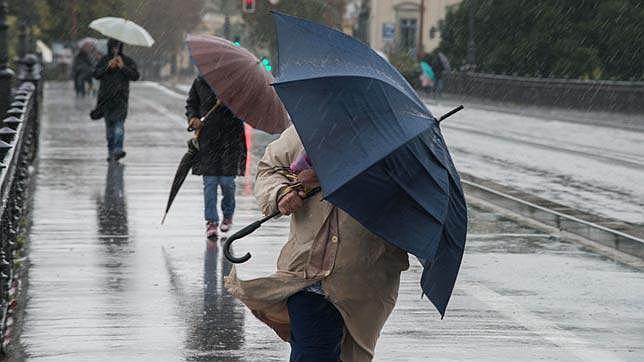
119, 155
211, 230
225, 224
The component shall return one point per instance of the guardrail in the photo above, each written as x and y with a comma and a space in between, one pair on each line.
18, 149
614, 234
611, 96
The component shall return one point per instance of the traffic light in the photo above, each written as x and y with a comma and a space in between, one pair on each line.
248, 6
236, 41
266, 64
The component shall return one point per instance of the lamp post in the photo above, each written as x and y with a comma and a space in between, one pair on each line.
6, 74
471, 46
420, 52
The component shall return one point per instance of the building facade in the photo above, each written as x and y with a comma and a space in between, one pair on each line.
395, 25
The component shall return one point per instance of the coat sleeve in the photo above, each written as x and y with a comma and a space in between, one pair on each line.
101, 68
269, 182
130, 69
192, 103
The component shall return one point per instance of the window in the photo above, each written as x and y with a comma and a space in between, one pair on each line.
408, 37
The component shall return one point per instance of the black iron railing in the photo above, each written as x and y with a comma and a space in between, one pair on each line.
18, 148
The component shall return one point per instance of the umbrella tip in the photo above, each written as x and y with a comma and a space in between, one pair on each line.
163, 219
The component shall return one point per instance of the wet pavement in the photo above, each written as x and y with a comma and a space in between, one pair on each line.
595, 165
107, 281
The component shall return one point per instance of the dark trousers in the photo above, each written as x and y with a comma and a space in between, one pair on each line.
114, 131
316, 328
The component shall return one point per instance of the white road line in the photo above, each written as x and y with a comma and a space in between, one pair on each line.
510, 235
163, 89
548, 330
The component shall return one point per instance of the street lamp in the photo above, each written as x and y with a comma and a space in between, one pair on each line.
471, 47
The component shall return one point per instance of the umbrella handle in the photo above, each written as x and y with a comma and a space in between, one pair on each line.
249, 229
450, 113
240, 234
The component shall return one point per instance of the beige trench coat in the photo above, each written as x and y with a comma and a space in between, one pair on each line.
359, 272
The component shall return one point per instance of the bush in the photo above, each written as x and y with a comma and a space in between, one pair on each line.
408, 66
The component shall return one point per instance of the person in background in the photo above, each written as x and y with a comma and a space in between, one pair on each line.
82, 71
115, 71
221, 156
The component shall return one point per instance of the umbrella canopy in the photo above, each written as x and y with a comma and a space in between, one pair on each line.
427, 70
123, 30
182, 172
45, 51
239, 81
376, 148
445, 62
87, 44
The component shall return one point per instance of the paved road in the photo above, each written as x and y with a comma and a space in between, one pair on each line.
593, 165
108, 282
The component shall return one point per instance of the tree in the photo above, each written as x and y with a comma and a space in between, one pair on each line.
261, 34
551, 38
167, 21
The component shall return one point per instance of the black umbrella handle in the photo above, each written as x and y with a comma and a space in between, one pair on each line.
450, 113
240, 234
249, 229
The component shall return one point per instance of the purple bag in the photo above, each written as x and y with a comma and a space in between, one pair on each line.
301, 163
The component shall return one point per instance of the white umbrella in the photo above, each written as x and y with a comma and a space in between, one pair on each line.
123, 30
43, 49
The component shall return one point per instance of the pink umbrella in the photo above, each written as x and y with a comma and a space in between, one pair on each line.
239, 81
87, 44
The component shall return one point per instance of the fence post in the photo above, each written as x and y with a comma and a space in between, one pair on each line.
6, 74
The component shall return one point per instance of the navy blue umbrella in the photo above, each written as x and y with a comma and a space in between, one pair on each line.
376, 148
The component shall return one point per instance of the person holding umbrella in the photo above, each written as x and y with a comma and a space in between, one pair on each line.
325, 304
114, 71
221, 155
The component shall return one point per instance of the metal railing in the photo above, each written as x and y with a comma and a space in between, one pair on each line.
596, 95
18, 149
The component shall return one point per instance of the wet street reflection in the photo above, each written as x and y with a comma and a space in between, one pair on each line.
218, 331
111, 211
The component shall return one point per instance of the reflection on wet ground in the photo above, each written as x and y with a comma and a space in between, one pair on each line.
107, 281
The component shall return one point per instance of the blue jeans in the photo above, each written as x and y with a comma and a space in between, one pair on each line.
114, 132
316, 328
210, 185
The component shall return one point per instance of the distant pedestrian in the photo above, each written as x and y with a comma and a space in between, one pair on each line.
115, 71
82, 72
221, 156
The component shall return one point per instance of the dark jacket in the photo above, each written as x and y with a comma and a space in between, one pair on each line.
222, 141
114, 90
82, 68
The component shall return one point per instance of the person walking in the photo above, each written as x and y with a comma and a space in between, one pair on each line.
115, 71
82, 72
221, 156
336, 283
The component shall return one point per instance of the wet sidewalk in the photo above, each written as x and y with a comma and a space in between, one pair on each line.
108, 282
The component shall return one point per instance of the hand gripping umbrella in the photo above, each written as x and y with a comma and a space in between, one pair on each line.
377, 150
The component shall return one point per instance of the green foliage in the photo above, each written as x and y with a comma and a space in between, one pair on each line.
551, 38
408, 66
261, 31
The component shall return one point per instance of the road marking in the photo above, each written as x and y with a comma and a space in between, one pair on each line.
509, 235
163, 89
545, 329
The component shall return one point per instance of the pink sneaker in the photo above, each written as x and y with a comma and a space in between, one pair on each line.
211, 230
225, 225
